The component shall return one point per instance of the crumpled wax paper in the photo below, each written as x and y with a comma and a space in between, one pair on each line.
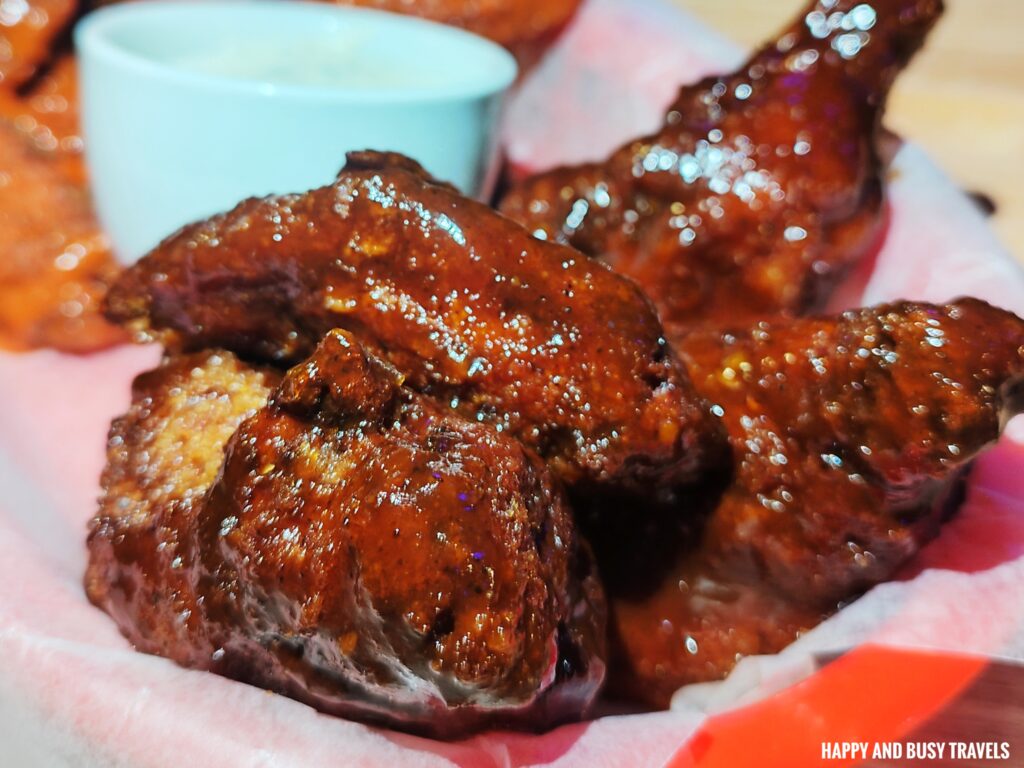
73, 692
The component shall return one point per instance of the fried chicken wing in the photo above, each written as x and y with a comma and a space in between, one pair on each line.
520, 25
162, 457
549, 346
761, 187
47, 116
361, 548
850, 435
55, 263
28, 30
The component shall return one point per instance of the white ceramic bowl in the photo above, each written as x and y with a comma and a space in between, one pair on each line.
189, 107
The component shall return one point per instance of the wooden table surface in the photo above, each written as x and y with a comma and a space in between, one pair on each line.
962, 98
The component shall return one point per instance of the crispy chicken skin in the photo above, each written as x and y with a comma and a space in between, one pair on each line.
849, 437
361, 548
549, 346
162, 457
761, 187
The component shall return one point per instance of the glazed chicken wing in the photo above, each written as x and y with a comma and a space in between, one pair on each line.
850, 435
55, 263
529, 336
46, 115
28, 30
360, 548
761, 187
162, 457
520, 25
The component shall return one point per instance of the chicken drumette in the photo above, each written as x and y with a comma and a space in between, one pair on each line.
761, 187
850, 435
352, 544
531, 337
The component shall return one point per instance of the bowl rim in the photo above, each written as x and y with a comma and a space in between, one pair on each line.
92, 39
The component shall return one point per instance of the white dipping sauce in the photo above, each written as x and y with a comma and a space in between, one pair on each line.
337, 61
